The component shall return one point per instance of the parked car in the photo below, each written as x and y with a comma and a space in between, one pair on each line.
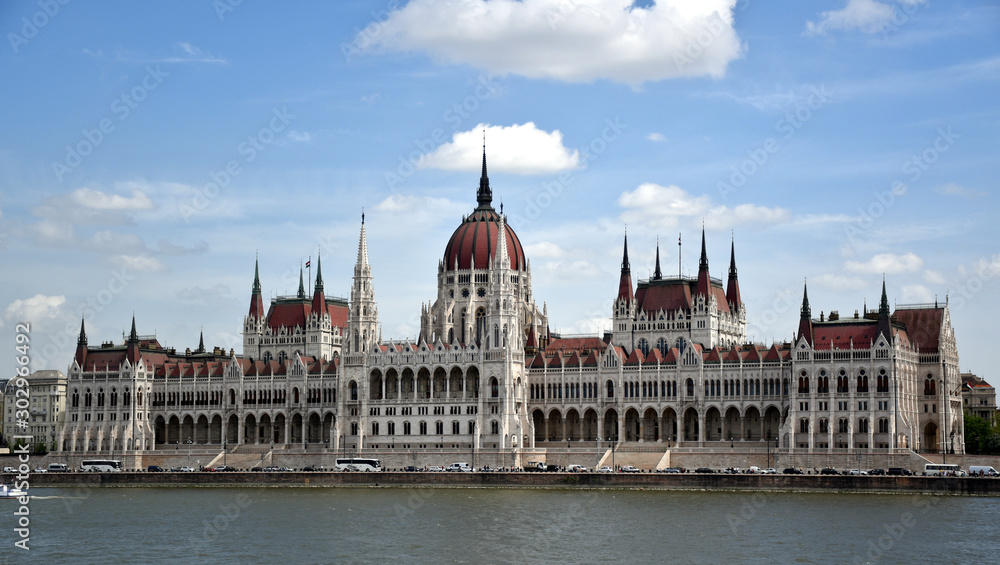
792, 471
629, 469
605, 469
770, 471
256, 469
898, 471
9, 470
224, 468
312, 468
703, 470
154, 469
829, 471
435, 469
410, 469
856, 472
576, 469
186, 469
876, 471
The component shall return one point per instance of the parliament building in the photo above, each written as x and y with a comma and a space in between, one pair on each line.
486, 375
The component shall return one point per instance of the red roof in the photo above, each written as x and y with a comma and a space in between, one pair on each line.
923, 326
292, 313
474, 243
840, 335
575, 344
670, 295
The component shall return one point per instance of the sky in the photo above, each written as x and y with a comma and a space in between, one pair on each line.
150, 151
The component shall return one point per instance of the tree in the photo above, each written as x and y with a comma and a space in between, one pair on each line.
977, 431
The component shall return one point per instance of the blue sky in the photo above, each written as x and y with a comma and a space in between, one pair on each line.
150, 150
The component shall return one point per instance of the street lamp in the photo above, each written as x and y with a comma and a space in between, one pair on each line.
612, 440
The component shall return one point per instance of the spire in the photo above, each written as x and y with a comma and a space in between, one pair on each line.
657, 274
256, 276
704, 286
806, 311
302, 286
805, 321
883, 305
501, 246
201, 342
363, 244
485, 194
884, 323
319, 300
256, 302
83, 335
625, 283
81, 346
733, 288
132, 349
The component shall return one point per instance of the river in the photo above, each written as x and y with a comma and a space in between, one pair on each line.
465, 525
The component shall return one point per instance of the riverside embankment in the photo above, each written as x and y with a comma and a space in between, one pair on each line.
967, 486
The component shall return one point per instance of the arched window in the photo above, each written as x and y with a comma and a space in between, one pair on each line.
480, 324
804, 425
611, 389
494, 388
644, 346
354, 390
690, 387
374, 428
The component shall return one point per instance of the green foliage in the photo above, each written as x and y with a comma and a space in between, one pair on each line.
980, 438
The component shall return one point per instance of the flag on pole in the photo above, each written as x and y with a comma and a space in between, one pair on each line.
308, 263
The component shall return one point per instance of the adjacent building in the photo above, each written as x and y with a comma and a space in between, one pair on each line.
46, 406
979, 397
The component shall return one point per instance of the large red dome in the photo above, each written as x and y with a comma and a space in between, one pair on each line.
475, 241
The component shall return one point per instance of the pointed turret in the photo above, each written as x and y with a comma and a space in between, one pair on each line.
657, 274
81, 345
302, 286
362, 321
805, 320
733, 288
502, 258
256, 302
319, 300
704, 285
485, 194
201, 342
625, 283
884, 323
132, 345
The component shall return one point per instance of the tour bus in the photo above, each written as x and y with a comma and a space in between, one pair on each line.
941, 470
101, 465
358, 464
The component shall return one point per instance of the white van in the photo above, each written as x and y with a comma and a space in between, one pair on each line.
982, 471
58, 468
459, 467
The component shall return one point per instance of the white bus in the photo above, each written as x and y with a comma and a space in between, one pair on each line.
101, 465
358, 464
940, 470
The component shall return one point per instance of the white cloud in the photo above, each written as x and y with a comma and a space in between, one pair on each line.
114, 242
888, 263
35, 309
838, 282
656, 206
569, 272
546, 249
299, 136
520, 149
140, 262
656, 137
569, 41
952, 189
934, 277
916, 293
87, 206
867, 16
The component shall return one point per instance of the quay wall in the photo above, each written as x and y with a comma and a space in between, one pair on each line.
973, 486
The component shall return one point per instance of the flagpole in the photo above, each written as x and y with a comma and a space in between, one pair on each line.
678, 256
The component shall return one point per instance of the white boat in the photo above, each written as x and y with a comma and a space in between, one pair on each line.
8, 491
